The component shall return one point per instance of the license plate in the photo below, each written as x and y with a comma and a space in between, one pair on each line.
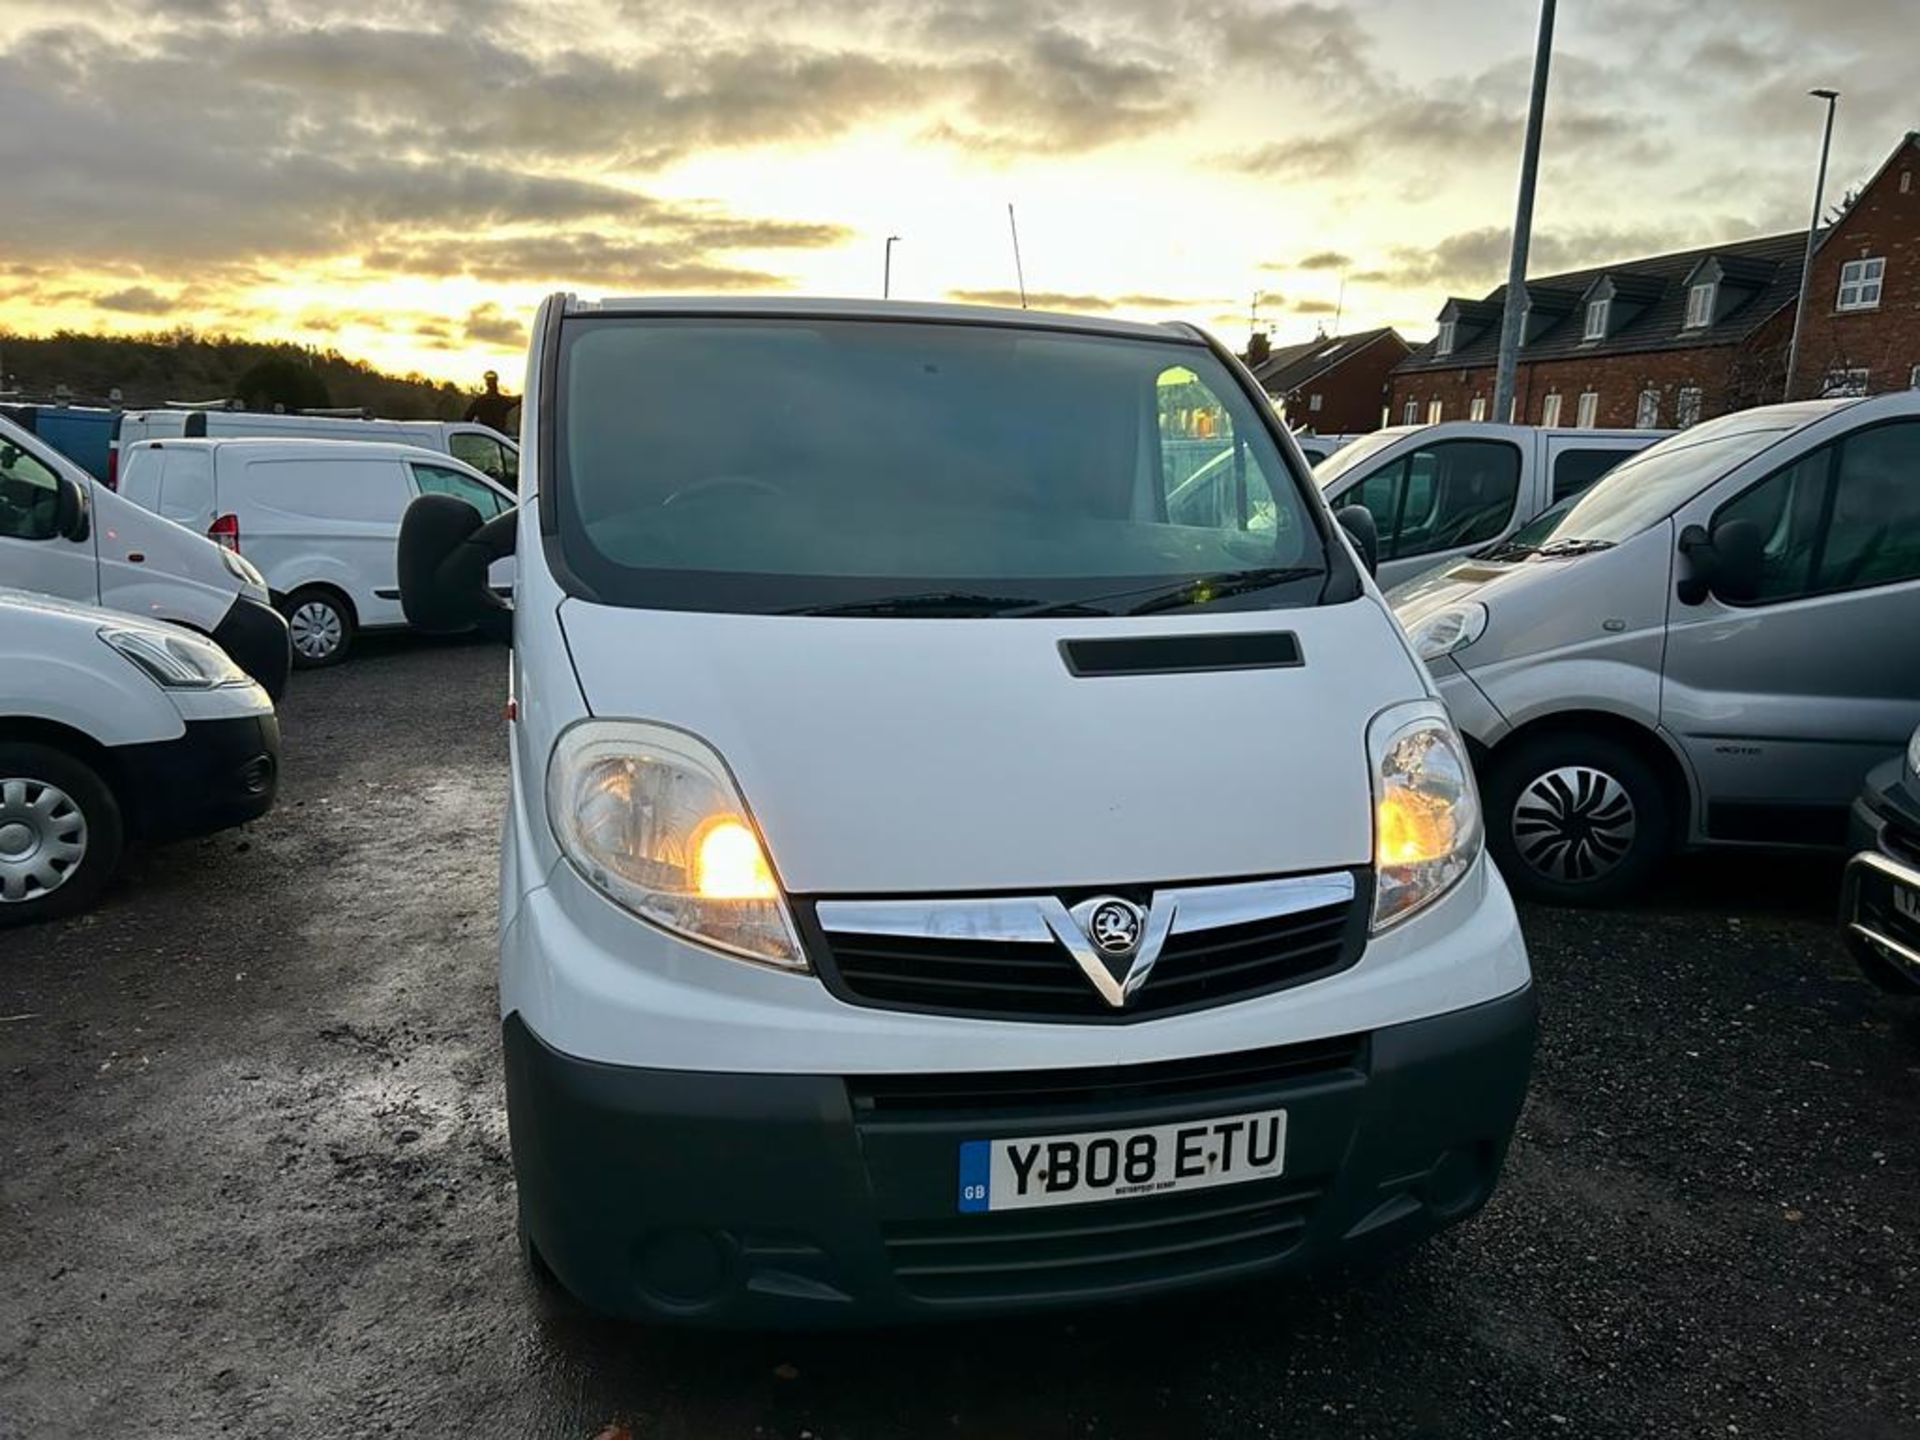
1115, 1164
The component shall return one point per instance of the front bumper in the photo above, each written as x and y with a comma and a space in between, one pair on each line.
219, 774
1884, 834
256, 636
803, 1200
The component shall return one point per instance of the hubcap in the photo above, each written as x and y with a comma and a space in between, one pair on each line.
1574, 824
316, 629
43, 839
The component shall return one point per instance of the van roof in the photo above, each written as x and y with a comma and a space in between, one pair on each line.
832, 308
312, 447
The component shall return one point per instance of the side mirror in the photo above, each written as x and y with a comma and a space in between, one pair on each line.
1728, 564
444, 553
72, 516
1359, 524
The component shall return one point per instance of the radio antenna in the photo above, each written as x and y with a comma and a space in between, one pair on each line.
1019, 270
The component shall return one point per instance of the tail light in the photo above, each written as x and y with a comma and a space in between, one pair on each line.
225, 532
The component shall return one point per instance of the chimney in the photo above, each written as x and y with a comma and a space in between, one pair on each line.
1259, 348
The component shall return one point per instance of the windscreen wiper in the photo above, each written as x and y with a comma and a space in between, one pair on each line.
1565, 549
1183, 593
936, 602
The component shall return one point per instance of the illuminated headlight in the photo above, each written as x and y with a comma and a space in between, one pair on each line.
1913, 754
1427, 830
651, 818
1446, 632
177, 661
243, 569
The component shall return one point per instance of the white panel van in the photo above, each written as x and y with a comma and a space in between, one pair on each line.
319, 518
485, 449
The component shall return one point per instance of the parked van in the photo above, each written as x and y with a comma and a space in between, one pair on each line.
115, 729
64, 534
1439, 492
484, 448
82, 433
318, 518
1711, 646
933, 882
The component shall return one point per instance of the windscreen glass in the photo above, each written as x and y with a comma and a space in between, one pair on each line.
894, 467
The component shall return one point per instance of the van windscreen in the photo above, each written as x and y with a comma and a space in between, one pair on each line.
886, 467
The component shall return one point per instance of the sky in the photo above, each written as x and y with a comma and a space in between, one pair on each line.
403, 180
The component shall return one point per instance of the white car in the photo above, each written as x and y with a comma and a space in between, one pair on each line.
480, 446
318, 518
936, 881
64, 534
114, 729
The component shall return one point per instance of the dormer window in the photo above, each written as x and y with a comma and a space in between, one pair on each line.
1598, 314
1449, 333
1700, 301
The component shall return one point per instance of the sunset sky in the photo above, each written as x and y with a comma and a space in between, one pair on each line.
404, 180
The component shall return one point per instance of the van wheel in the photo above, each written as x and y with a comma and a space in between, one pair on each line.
321, 623
1575, 819
60, 834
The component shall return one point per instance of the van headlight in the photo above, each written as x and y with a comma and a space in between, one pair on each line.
651, 818
1913, 754
243, 569
1448, 631
1426, 830
177, 661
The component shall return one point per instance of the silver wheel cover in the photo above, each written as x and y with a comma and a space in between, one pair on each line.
1574, 824
317, 629
43, 839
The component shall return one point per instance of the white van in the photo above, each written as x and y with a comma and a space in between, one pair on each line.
64, 534
115, 729
935, 883
319, 518
1710, 647
1440, 492
481, 446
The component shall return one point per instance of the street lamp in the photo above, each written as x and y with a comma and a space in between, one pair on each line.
1832, 97
1514, 316
886, 274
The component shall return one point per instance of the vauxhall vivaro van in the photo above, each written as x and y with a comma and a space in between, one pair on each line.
1712, 646
935, 880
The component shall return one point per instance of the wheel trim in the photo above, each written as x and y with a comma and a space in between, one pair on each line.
43, 839
1574, 824
316, 629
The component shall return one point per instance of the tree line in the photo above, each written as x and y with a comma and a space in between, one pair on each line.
185, 365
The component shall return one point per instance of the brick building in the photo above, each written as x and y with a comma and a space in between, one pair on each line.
1679, 338
1335, 385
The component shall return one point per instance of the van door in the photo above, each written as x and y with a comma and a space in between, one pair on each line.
1439, 502
332, 521
1783, 704
32, 555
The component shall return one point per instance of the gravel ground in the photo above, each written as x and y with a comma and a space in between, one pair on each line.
254, 1175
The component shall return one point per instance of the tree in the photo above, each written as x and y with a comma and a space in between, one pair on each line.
282, 382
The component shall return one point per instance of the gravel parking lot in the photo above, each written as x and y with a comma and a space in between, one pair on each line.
254, 1174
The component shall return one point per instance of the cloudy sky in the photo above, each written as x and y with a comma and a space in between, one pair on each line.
404, 179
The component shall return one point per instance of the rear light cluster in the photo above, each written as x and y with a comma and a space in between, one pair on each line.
225, 532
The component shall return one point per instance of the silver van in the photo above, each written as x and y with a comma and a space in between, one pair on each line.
1713, 645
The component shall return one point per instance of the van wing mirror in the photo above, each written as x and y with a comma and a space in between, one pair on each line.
1359, 524
445, 549
1728, 563
72, 517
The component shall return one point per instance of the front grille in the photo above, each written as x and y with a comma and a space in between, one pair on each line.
1078, 1251
1901, 843
995, 1096
1028, 981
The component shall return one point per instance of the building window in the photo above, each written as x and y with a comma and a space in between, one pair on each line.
1589, 412
1411, 415
1550, 411
1313, 402
1646, 414
1479, 410
1449, 331
1860, 284
1513, 411
1686, 406
1435, 410
1597, 314
1700, 306
1913, 380
1846, 384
